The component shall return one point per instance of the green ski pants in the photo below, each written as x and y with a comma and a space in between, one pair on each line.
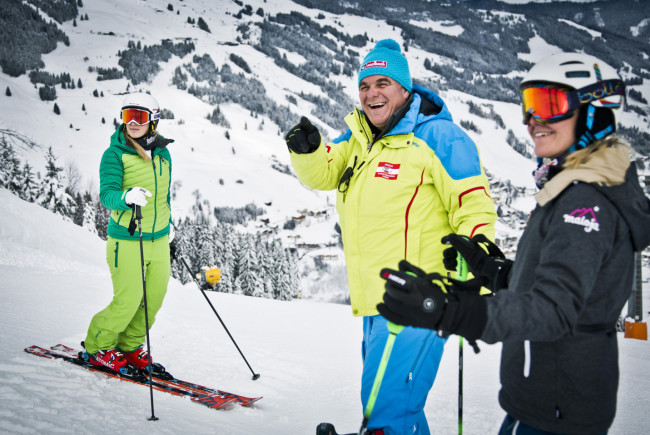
122, 323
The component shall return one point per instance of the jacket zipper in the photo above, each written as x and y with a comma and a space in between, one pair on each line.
155, 194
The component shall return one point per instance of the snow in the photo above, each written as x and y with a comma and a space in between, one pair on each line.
447, 27
594, 33
54, 279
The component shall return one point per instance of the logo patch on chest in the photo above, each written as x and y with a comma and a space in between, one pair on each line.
387, 171
585, 217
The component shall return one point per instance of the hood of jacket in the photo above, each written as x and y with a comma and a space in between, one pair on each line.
425, 105
633, 205
606, 165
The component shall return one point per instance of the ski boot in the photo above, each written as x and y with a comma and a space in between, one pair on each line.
111, 359
139, 358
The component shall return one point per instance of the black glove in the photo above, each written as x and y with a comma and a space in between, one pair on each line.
303, 138
414, 298
484, 259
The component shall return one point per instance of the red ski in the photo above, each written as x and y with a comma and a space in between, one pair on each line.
166, 378
131, 374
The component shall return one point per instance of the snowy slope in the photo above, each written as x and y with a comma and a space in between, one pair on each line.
54, 278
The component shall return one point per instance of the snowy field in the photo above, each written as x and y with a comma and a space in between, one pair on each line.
308, 353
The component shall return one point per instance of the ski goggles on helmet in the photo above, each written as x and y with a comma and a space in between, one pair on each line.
549, 103
137, 116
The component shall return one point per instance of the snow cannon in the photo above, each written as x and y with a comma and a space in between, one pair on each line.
209, 277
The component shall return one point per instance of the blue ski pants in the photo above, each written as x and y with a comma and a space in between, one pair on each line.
411, 370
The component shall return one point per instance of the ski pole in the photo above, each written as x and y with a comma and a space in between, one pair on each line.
461, 275
255, 375
393, 330
138, 216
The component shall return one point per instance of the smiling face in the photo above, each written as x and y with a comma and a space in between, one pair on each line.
552, 139
380, 97
137, 131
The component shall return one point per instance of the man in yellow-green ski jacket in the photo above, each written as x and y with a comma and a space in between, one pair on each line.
406, 176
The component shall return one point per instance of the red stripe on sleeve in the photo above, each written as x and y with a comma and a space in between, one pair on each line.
460, 197
476, 228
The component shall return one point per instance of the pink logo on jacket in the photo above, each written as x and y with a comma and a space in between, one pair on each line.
585, 217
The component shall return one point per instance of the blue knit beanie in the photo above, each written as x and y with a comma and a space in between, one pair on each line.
387, 60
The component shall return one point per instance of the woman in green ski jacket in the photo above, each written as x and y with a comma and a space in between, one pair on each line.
134, 170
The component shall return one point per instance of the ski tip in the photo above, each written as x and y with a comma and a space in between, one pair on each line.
256, 376
250, 402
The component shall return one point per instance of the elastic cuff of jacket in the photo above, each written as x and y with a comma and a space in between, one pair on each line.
465, 315
496, 271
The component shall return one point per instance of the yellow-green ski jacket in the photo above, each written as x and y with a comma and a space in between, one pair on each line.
399, 195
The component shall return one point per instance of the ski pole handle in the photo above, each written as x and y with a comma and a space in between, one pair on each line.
137, 211
461, 268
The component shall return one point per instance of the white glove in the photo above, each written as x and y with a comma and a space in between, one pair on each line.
137, 196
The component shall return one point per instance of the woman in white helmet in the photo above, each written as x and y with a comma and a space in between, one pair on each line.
556, 305
135, 170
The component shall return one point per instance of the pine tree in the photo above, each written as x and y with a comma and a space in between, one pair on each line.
102, 215
53, 194
29, 190
247, 281
227, 239
78, 214
283, 284
9, 165
268, 271
294, 273
89, 218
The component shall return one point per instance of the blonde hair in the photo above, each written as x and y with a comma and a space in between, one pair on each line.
136, 146
580, 157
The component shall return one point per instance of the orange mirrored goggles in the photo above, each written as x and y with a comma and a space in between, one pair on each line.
549, 103
131, 115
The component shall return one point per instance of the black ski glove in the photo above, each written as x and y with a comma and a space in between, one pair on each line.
414, 298
303, 138
484, 259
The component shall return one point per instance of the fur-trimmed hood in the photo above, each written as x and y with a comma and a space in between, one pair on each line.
606, 164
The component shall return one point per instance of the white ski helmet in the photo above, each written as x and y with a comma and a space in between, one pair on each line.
143, 101
594, 83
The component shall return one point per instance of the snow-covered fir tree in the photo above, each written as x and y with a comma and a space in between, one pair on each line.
10, 173
29, 188
89, 215
53, 195
248, 280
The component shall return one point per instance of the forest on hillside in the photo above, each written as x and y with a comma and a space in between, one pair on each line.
481, 61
